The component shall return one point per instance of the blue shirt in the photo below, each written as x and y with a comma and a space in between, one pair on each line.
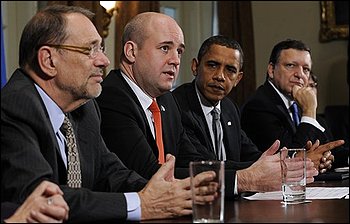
56, 116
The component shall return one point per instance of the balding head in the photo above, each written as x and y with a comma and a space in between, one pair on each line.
138, 28
153, 44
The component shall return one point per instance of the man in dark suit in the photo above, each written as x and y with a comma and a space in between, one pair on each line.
217, 69
126, 130
148, 68
267, 115
341, 153
61, 67
197, 98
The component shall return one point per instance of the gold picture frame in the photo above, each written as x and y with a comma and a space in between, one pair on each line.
334, 21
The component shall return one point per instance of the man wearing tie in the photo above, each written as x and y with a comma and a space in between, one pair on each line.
284, 107
212, 120
149, 66
59, 77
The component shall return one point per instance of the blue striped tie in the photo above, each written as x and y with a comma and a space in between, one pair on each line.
294, 109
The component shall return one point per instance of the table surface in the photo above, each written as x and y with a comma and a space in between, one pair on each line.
269, 211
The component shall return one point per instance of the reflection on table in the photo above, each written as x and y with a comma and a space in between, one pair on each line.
325, 211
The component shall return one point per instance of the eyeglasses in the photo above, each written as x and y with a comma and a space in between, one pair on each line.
91, 52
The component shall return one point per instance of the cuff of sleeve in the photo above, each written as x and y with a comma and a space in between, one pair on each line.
133, 206
235, 192
313, 122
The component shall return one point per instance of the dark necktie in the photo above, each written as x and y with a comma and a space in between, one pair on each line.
216, 126
295, 113
157, 119
74, 172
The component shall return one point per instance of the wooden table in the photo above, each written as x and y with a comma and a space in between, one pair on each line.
269, 211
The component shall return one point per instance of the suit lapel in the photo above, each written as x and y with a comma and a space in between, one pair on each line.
226, 124
280, 106
126, 87
198, 114
147, 129
232, 129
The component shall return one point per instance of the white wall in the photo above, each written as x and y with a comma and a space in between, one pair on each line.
277, 20
15, 15
195, 19
110, 45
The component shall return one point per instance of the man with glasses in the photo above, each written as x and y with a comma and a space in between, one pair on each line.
269, 114
50, 129
90, 51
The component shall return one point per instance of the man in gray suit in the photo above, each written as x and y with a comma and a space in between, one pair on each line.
61, 67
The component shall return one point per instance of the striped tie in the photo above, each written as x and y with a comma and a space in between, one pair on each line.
216, 126
295, 113
74, 172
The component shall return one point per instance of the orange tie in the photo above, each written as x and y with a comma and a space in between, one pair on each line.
158, 126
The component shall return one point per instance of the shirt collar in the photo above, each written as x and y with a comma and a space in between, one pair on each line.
143, 98
287, 102
205, 104
56, 115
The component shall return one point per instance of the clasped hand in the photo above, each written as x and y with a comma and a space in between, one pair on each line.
321, 155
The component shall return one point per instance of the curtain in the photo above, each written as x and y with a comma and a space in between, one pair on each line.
127, 10
235, 20
93, 6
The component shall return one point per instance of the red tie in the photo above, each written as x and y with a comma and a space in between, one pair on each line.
158, 126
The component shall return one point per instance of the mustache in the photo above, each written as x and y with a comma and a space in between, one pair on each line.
216, 85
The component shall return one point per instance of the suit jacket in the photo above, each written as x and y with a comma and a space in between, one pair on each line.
265, 118
341, 153
127, 133
29, 155
240, 151
7, 210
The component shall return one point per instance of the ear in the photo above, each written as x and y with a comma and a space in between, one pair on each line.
46, 57
239, 77
270, 70
194, 66
130, 51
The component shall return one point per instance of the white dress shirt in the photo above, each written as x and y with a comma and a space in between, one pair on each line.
144, 100
287, 102
209, 118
